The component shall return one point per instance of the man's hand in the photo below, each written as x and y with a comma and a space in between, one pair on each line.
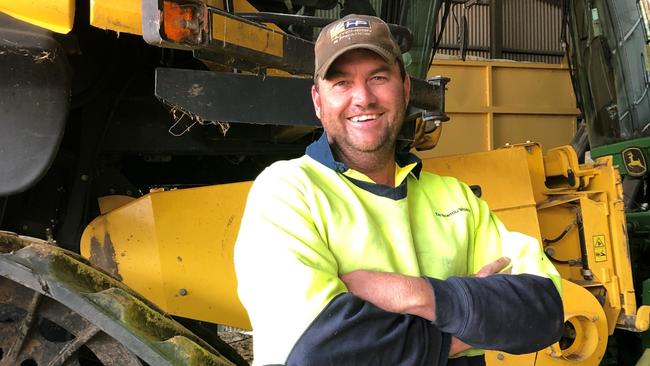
495, 267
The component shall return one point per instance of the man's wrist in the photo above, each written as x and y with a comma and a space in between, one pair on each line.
421, 299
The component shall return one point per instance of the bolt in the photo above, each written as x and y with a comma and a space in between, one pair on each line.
84, 177
594, 318
500, 356
48, 234
182, 292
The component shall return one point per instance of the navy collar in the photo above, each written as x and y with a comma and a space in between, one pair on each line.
321, 151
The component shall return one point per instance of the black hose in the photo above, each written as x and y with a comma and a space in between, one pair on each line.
561, 236
586, 272
443, 22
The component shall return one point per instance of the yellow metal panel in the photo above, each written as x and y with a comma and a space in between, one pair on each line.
492, 170
55, 15
109, 203
468, 87
554, 131
533, 88
118, 15
124, 243
246, 35
492, 102
176, 248
552, 222
467, 133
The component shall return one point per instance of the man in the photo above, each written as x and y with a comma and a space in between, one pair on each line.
350, 255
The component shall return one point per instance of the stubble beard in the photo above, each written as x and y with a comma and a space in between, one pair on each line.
355, 153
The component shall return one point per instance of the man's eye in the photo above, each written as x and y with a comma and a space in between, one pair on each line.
379, 78
341, 83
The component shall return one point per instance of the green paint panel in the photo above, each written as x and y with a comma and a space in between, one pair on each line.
617, 149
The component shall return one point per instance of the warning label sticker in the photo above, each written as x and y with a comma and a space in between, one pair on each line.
599, 247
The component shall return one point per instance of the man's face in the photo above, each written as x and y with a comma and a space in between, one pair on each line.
362, 102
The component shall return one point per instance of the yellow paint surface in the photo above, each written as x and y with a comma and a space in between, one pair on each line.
117, 15
491, 103
176, 249
55, 15
247, 35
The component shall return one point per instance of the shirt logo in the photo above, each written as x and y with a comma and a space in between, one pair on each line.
453, 212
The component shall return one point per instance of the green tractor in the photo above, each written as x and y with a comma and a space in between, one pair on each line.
608, 58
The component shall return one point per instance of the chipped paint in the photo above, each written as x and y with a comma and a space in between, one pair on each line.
102, 255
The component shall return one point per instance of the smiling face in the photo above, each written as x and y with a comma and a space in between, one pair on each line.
361, 103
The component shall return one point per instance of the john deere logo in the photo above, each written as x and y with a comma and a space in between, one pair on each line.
634, 161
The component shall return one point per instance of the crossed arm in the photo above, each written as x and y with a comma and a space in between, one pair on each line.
407, 294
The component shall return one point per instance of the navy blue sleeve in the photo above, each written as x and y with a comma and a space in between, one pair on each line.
350, 331
511, 313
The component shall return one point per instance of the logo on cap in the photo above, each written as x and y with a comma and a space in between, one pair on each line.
348, 24
356, 24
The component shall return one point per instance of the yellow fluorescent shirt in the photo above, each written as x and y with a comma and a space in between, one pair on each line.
309, 220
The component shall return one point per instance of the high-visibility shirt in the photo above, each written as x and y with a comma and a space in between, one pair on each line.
309, 220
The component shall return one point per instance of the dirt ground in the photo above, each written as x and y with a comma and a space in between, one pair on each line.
241, 342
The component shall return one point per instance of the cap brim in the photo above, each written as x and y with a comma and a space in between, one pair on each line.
385, 54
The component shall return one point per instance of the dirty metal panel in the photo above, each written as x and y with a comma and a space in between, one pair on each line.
216, 96
113, 243
258, 44
34, 101
176, 248
229, 30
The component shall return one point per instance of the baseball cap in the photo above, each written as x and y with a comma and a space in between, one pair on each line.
353, 32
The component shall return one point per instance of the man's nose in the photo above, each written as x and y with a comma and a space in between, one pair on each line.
363, 95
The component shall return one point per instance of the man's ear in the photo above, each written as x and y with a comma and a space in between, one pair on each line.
407, 88
315, 98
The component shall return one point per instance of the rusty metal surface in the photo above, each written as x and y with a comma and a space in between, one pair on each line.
38, 328
100, 312
103, 256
